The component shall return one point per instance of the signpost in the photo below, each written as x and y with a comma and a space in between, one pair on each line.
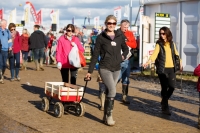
161, 19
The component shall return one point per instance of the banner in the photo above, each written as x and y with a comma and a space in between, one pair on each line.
117, 13
126, 11
1, 14
55, 18
39, 16
96, 21
27, 14
12, 16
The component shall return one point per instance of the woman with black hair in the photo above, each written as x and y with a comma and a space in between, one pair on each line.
163, 56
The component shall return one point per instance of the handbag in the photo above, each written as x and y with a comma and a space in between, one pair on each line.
177, 62
73, 57
82, 59
10, 54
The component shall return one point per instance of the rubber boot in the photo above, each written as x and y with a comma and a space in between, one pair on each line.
125, 94
102, 100
41, 64
165, 106
37, 65
1, 77
24, 65
108, 119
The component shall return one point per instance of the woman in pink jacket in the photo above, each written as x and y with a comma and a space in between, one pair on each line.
65, 44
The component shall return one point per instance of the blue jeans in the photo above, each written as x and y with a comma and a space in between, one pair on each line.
125, 72
3, 60
25, 55
14, 65
38, 53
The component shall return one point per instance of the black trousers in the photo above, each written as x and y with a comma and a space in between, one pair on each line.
65, 75
167, 81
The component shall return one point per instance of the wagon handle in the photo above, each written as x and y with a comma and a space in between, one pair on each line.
86, 81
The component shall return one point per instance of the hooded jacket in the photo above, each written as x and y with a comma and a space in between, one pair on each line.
109, 51
37, 40
24, 42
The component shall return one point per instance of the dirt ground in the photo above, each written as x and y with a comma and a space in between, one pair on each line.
20, 107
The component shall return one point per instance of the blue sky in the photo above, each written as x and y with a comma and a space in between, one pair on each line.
70, 8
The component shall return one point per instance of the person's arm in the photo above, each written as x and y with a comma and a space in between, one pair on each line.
131, 42
45, 40
58, 54
124, 48
79, 45
153, 56
10, 43
95, 55
176, 53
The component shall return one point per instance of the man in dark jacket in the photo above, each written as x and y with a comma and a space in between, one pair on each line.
38, 44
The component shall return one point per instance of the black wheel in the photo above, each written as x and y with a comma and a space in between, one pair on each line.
58, 109
45, 104
80, 109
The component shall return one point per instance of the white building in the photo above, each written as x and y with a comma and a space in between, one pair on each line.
184, 24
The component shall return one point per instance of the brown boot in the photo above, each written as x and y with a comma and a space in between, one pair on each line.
41, 64
37, 65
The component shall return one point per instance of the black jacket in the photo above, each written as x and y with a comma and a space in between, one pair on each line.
37, 40
111, 56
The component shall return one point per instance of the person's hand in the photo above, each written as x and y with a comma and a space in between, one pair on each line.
181, 67
59, 65
73, 43
88, 76
10, 48
122, 57
145, 65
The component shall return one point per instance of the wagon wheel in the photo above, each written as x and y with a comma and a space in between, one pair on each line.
80, 109
45, 104
58, 109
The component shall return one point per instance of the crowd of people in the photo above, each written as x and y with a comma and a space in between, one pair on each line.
111, 48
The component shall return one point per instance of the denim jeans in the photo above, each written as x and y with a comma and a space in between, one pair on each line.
38, 53
14, 65
25, 55
3, 60
125, 72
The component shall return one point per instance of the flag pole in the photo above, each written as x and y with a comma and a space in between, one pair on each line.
130, 15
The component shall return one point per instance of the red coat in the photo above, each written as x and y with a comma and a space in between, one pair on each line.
197, 73
50, 42
24, 42
130, 39
17, 43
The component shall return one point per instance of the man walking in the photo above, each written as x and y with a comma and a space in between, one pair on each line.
5, 46
126, 65
38, 44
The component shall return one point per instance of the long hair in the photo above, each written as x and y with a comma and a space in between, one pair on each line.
168, 34
70, 26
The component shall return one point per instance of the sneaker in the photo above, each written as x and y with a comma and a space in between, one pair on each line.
12, 79
18, 78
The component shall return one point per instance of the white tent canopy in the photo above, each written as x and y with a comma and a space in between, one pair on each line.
147, 2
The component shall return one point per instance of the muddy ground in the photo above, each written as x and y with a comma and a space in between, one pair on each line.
20, 109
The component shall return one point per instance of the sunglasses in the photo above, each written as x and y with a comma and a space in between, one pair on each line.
110, 23
69, 30
162, 34
12, 29
3, 33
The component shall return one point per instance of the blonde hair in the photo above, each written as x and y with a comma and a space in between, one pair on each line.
110, 17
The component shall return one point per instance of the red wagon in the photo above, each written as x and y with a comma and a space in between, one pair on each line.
68, 97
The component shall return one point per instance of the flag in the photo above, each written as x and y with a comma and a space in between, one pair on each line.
126, 11
12, 16
117, 13
39, 16
89, 20
27, 14
1, 14
96, 21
